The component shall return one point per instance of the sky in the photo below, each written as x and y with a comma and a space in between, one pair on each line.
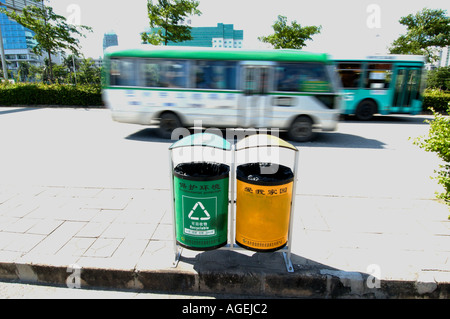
350, 28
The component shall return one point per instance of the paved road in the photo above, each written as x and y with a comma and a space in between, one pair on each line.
85, 148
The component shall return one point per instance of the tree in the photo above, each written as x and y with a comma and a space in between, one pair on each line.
23, 71
36, 73
71, 62
426, 32
52, 72
88, 72
289, 37
166, 17
438, 141
10, 74
439, 78
52, 32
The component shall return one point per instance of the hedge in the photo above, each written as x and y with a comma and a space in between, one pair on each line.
437, 99
50, 94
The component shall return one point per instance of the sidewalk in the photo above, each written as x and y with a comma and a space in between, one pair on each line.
122, 238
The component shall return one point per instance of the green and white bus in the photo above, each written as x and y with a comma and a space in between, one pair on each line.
174, 86
382, 85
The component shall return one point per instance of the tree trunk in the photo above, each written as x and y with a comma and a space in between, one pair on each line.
50, 67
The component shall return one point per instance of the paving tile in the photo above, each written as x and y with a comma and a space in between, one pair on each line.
73, 213
125, 230
7, 256
131, 248
53, 191
24, 243
106, 216
58, 238
125, 256
92, 230
106, 203
45, 226
163, 232
23, 209
103, 247
157, 255
6, 221
6, 238
81, 192
22, 225
76, 247
140, 216
48, 208
6, 195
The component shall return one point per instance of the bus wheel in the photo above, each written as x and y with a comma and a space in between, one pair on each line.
301, 130
167, 123
365, 110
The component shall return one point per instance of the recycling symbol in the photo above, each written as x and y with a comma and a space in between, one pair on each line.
205, 216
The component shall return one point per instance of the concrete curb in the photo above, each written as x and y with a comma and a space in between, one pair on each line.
316, 283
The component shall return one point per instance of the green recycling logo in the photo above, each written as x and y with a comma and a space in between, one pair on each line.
198, 215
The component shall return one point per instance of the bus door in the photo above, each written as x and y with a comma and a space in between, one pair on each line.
255, 108
407, 88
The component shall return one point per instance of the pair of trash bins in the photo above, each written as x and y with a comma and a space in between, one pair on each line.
264, 194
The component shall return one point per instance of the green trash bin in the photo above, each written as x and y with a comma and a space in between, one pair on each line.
201, 204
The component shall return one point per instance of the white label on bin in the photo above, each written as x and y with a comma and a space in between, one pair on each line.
200, 232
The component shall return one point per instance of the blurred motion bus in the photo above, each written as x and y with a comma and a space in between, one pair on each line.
172, 87
382, 85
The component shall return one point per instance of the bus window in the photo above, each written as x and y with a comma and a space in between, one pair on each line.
302, 77
215, 75
350, 74
150, 73
164, 73
123, 72
378, 76
173, 74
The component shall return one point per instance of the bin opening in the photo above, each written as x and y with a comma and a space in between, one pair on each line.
264, 173
201, 170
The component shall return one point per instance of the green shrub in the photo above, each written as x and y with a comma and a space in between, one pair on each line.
50, 94
439, 78
438, 141
436, 99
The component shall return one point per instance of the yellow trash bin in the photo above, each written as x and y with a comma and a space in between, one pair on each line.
263, 206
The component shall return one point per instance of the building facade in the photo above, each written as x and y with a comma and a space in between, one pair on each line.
444, 57
221, 36
110, 39
18, 41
